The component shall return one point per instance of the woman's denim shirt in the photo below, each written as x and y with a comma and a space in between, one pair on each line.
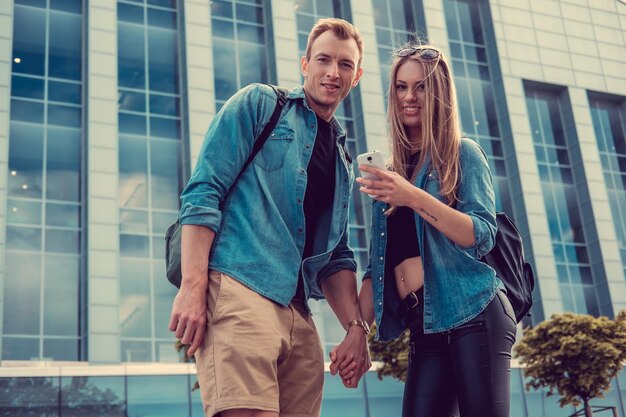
457, 285
259, 225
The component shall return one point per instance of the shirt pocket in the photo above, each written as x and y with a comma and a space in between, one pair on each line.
272, 155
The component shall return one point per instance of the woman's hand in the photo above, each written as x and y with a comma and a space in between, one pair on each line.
390, 188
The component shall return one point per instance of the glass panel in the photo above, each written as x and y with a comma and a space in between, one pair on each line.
134, 221
40, 394
131, 101
65, 215
60, 349
163, 59
65, 43
164, 294
132, 124
24, 212
250, 33
223, 28
29, 40
222, 8
63, 164
158, 396
24, 238
134, 246
162, 18
62, 241
226, 78
93, 396
248, 13
164, 157
129, 13
26, 111
16, 349
64, 115
167, 105
21, 286
253, 65
136, 352
135, 298
64, 92
71, 6
61, 310
27, 87
131, 56
133, 173
165, 128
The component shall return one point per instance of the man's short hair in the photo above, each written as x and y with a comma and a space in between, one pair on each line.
340, 28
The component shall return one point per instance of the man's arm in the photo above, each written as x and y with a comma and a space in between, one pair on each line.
188, 319
341, 294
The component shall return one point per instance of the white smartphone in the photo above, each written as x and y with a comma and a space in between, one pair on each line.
372, 159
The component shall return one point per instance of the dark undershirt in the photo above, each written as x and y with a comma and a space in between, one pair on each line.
320, 188
401, 232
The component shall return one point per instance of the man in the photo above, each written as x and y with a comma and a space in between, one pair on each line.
271, 240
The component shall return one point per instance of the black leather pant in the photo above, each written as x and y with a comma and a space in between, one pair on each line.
465, 371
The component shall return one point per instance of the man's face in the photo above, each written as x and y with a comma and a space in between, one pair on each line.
330, 73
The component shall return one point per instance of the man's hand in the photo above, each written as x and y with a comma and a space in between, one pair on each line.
351, 358
188, 319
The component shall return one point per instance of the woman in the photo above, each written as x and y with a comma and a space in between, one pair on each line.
433, 219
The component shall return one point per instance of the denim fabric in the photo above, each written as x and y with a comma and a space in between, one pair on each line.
457, 285
259, 225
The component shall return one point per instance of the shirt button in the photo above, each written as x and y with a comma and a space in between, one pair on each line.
383, 210
380, 278
381, 258
382, 234
380, 303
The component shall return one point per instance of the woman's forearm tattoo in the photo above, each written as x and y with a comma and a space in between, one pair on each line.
427, 214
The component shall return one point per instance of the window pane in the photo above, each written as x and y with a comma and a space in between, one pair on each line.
64, 115
26, 111
164, 293
71, 6
132, 124
133, 351
65, 46
21, 294
29, 40
131, 56
17, 349
60, 349
158, 396
40, 394
63, 164
92, 396
133, 173
226, 73
129, 13
23, 238
134, 246
64, 92
23, 212
62, 241
167, 105
61, 295
165, 128
164, 174
27, 87
133, 221
65, 215
135, 298
252, 61
162, 18
25, 160
163, 59
131, 101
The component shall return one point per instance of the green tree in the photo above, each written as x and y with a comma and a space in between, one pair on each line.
393, 354
577, 355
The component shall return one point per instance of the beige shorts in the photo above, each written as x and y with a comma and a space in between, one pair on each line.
258, 354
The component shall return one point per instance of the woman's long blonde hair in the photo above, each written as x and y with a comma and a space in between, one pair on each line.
440, 131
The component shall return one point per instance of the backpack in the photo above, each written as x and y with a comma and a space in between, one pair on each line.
507, 259
173, 233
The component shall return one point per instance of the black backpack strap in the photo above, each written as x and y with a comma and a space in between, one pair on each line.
281, 100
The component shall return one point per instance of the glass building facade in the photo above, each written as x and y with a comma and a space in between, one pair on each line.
103, 107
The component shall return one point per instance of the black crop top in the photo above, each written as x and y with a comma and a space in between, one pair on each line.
401, 232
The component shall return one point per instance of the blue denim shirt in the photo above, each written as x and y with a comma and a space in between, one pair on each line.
457, 285
259, 225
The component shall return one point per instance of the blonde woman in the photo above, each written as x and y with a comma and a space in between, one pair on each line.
433, 219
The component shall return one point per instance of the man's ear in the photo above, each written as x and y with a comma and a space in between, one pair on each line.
304, 66
359, 73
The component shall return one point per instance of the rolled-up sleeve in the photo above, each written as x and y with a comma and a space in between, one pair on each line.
477, 198
341, 258
227, 145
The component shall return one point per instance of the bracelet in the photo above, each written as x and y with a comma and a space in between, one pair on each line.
361, 323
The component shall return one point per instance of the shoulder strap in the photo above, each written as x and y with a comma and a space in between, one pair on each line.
281, 100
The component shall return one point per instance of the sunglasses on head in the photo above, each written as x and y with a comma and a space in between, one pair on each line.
425, 53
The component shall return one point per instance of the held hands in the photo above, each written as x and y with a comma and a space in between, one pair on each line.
351, 358
188, 319
391, 188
